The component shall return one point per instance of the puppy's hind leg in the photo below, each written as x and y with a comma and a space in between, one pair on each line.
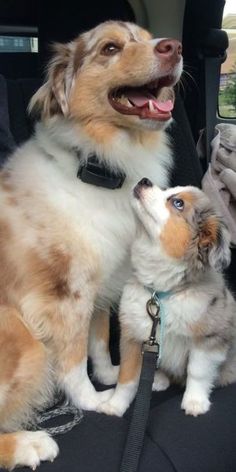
161, 381
103, 370
24, 387
202, 371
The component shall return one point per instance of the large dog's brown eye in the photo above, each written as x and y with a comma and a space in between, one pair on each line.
110, 49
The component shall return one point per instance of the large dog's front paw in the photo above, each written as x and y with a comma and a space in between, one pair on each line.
107, 376
195, 404
34, 447
115, 407
91, 400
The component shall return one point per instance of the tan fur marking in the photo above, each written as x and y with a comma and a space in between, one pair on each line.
5, 231
101, 326
145, 35
176, 237
7, 271
188, 197
7, 450
51, 274
198, 329
130, 360
75, 353
208, 234
12, 201
23, 368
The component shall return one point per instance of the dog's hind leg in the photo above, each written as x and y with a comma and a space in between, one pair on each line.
25, 386
103, 370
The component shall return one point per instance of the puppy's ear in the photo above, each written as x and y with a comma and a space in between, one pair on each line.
214, 242
52, 97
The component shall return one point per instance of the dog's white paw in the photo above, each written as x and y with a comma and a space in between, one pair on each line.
113, 407
91, 400
34, 447
195, 405
105, 395
161, 382
108, 376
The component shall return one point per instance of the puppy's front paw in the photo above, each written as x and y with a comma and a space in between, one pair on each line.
113, 407
161, 382
195, 405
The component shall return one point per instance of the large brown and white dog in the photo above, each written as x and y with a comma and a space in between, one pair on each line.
64, 243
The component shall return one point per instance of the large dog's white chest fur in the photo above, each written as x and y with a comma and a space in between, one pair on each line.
74, 213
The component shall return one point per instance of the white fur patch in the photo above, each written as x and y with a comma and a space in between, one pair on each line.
34, 447
202, 371
120, 400
103, 370
80, 390
161, 381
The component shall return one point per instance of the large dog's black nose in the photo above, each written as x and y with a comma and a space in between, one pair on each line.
145, 182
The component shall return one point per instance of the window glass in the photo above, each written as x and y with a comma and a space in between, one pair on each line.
227, 93
18, 44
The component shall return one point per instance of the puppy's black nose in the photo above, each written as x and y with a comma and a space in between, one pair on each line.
145, 182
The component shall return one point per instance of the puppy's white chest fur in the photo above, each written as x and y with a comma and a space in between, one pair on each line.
179, 312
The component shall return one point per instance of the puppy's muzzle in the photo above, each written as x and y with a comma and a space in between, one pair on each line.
143, 183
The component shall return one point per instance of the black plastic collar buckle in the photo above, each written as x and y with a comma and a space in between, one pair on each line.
96, 173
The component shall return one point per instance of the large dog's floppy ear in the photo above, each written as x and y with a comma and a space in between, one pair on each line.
214, 241
52, 97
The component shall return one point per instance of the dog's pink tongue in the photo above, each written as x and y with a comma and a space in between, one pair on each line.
141, 99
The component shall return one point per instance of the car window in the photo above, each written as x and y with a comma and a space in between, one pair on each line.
18, 44
227, 92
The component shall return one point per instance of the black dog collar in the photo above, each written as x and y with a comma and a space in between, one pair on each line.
96, 173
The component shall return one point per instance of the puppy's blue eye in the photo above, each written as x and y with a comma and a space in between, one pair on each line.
178, 203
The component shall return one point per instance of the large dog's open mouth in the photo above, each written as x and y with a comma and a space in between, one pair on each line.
145, 101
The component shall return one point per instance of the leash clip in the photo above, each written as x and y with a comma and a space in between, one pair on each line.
153, 310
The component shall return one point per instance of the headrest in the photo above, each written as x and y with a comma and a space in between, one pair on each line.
62, 21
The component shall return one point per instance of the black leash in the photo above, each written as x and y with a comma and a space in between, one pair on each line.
137, 426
